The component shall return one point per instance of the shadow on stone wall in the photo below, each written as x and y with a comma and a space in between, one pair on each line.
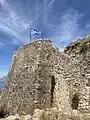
75, 101
52, 88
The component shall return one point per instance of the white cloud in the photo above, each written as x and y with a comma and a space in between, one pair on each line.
11, 23
68, 29
52, 1
3, 3
17, 24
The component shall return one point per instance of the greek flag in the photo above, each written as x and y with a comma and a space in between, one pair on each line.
35, 32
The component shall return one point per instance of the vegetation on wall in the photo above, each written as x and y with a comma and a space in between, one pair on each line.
79, 47
83, 45
84, 48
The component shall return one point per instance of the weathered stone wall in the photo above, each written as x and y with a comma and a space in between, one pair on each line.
79, 52
29, 79
36, 78
42, 77
50, 114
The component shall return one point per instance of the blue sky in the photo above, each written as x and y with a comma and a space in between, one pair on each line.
62, 21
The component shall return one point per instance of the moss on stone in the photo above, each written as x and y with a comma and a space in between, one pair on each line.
84, 48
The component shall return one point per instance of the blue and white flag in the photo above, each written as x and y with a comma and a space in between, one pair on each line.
35, 32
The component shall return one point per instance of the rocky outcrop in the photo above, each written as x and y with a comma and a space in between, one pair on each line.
50, 114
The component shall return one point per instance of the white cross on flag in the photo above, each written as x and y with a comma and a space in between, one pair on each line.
35, 32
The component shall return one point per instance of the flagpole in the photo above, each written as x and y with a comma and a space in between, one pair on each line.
30, 34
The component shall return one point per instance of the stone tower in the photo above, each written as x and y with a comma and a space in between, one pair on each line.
30, 77
35, 79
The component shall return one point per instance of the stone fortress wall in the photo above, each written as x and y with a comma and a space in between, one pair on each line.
79, 51
41, 77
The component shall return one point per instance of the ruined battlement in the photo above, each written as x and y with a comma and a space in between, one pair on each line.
42, 77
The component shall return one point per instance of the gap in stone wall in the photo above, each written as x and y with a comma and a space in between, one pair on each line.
75, 101
52, 88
